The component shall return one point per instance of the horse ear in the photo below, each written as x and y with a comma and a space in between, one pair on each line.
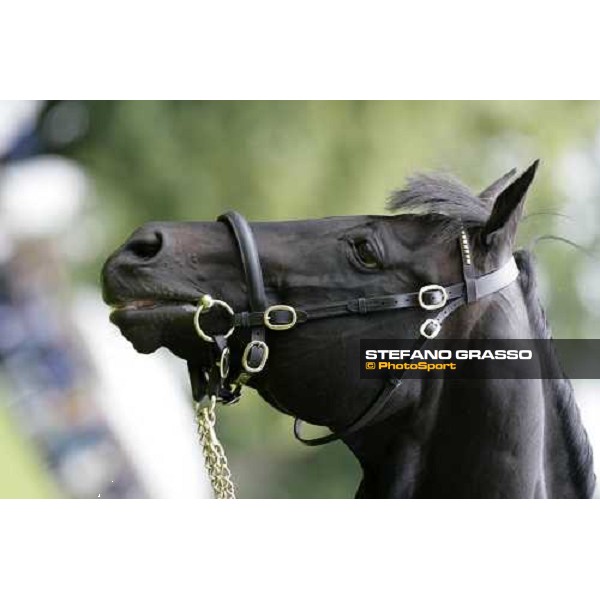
508, 208
491, 192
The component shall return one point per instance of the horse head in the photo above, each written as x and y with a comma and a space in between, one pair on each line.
154, 283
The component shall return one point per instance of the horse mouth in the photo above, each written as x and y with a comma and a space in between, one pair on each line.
147, 304
151, 323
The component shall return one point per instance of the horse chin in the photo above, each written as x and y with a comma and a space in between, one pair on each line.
149, 329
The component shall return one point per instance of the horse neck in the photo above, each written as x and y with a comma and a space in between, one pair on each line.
460, 439
479, 438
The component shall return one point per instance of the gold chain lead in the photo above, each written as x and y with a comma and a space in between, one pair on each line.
214, 455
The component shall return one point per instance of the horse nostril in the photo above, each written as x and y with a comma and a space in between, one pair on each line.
145, 245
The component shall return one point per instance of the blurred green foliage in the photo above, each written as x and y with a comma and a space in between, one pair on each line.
282, 160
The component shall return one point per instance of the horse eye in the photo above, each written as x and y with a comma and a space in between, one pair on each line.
367, 254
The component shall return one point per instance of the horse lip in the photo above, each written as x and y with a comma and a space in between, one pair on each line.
147, 304
135, 305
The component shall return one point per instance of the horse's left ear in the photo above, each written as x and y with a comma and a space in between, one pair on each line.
492, 191
508, 208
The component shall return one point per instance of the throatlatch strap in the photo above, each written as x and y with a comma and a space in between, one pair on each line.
367, 417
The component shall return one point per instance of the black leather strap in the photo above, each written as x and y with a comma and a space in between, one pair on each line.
391, 385
250, 259
253, 275
482, 286
496, 280
468, 269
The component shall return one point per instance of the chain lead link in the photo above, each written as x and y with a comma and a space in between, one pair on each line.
214, 455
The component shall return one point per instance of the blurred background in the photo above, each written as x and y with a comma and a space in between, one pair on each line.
82, 415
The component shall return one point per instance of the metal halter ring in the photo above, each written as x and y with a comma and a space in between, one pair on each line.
437, 326
282, 326
433, 288
248, 349
224, 363
205, 304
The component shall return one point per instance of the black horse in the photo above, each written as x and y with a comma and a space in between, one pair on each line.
448, 438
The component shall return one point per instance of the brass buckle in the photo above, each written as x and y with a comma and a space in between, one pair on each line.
248, 349
437, 326
284, 326
205, 304
431, 288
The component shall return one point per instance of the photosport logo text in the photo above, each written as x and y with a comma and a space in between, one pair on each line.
435, 360
480, 359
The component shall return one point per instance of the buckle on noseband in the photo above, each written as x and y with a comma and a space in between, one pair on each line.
433, 288
205, 304
280, 326
263, 359
430, 328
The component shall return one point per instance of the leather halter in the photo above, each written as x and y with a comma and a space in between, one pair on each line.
225, 387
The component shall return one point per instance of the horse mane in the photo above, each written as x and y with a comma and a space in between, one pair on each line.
441, 197
445, 199
560, 389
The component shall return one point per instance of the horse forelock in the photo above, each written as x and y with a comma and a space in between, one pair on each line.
440, 197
